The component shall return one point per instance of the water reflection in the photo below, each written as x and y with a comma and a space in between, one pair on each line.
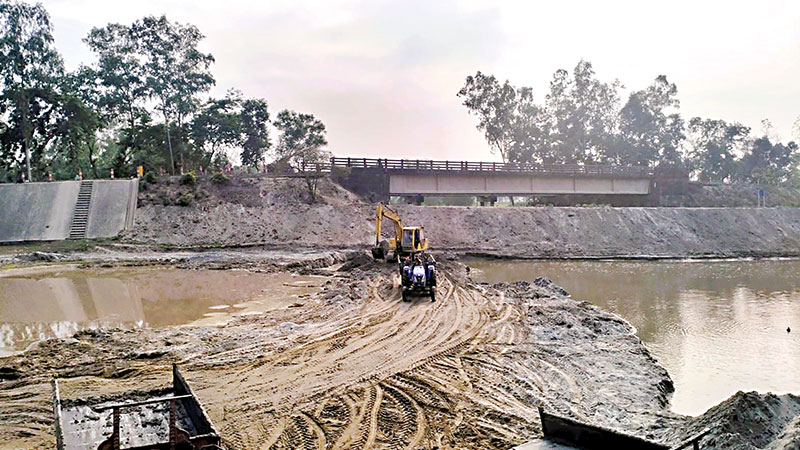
58, 304
718, 327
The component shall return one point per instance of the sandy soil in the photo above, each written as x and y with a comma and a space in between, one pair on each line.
358, 368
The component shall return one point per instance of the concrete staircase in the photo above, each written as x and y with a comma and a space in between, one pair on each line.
80, 218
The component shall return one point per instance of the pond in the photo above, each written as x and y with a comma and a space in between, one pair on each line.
717, 326
57, 302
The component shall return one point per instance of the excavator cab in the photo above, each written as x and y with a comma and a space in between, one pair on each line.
414, 240
406, 240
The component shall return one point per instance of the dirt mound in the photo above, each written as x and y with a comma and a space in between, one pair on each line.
749, 420
542, 232
253, 211
275, 212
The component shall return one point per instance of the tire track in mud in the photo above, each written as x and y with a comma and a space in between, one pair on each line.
392, 377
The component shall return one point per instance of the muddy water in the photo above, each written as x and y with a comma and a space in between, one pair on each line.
57, 303
718, 327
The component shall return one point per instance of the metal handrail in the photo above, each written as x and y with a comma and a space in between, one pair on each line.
482, 166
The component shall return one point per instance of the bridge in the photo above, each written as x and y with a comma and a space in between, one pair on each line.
414, 179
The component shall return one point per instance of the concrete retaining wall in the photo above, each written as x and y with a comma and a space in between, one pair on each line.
43, 211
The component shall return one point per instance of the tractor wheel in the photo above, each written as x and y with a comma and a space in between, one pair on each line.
405, 296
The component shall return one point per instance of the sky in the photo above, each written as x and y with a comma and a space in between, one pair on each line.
383, 76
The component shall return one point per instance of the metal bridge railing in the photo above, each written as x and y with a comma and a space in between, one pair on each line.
469, 166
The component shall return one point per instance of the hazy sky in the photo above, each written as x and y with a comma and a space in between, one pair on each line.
383, 76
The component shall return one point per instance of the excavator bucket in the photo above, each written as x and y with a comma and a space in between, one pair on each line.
380, 251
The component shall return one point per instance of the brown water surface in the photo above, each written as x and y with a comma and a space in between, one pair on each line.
59, 302
717, 326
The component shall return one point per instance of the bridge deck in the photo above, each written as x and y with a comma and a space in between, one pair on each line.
403, 165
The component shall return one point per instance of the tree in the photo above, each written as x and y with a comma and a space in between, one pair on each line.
301, 144
584, 114
768, 163
119, 87
714, 145
495, 106
255, 131
216, 126
649, 134
153, 59
530, 136
30, 71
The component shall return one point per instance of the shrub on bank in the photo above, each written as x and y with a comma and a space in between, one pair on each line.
220, 178
150, 178
185, 199
189, 179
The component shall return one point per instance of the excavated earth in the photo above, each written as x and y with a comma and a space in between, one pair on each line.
356, 367
273, 212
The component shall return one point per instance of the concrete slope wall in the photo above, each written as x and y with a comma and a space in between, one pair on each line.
111, 207
43, 211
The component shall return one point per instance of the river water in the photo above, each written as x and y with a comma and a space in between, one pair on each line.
717, 326
56, 303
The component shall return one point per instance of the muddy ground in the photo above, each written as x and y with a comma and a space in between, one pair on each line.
355, 367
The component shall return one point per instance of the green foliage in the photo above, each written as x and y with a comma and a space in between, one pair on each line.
220, 178
150, 178
189, 179
302, 144
31, 71
166, 200
649, 133
185, 199
714, 145
581, 122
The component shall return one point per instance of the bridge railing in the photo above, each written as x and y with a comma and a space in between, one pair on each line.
470, 166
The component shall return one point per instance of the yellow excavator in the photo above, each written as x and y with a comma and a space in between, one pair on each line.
406, 240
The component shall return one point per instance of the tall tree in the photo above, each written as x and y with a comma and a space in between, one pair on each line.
30, 71
301, 144
584, 111
495, 106
766, 162
255, 131
715, 144
651, 129
217, 126
120, 87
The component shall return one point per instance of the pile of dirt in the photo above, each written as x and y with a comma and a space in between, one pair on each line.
275, 213
605, 232
749, 421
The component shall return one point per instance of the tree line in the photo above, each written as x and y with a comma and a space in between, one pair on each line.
143, 102
583, 120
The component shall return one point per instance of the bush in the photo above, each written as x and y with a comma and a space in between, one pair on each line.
189, 179
150, 177
220, 178
165, 199
185, 199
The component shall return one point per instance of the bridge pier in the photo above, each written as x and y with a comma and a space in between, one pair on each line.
484, 199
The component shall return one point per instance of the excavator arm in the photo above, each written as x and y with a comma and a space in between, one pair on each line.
385, 212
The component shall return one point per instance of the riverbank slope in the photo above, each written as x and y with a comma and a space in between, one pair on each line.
275, 213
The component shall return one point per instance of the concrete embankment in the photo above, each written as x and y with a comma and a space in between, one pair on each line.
271, 213
51, 211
